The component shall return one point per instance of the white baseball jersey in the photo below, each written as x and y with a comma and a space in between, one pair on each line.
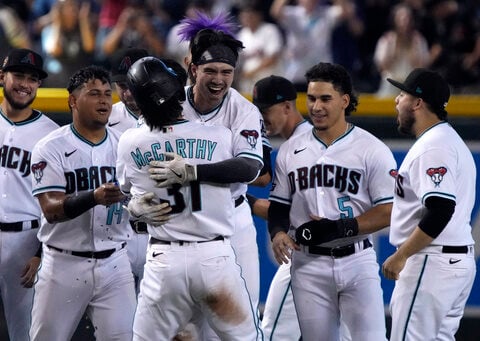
196, 214
242, 118
342, 180
438, 164
121, 118
430, 295
66, 162
18, 205
18, 140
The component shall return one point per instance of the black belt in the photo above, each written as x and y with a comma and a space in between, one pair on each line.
139, 226
337, 252
181, 242
19, 226
455, 249
89, 254
239, 200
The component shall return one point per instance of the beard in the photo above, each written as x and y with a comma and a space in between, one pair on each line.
406, 123
15, 104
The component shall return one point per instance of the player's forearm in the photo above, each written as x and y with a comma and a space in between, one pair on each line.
238, 169
374, 219
416, 242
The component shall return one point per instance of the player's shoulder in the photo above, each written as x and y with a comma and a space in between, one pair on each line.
364, 137
236, 99
55, 137
46, 122
200, 129
299, 139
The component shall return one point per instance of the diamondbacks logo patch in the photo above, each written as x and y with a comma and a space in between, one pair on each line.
251, 136
28, 59
37, 170
436, 174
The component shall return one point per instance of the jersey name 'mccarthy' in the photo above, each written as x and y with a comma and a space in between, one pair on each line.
83, 179
187, 148
15, 158
325, 175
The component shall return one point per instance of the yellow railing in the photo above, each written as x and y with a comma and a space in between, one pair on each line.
55, 100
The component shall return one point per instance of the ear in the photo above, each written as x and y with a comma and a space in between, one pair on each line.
2, 78
346, 100
72, 101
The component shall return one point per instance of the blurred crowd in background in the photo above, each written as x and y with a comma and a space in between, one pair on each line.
373, 39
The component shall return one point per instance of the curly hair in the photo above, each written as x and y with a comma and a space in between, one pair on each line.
340, 79
86, 74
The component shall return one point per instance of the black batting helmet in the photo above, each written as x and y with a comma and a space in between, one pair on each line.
155, 86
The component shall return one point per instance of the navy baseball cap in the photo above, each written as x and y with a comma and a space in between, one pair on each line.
427, 85
272, 90
24, 59
122, 60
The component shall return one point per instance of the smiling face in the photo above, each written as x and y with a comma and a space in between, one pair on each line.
212, 81
91, 104
326, 107
20, 88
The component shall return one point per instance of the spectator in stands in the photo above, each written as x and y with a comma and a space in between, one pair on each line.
134, 28
109, 13
400, 49
308, 27
459, 60
263, 43
69, 41
13, 31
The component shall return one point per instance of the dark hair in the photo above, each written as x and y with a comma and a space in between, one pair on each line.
86, 74
207, 38
340, 79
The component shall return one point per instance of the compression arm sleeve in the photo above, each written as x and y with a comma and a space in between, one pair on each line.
439, 213
278, 218
267, 163
237, 169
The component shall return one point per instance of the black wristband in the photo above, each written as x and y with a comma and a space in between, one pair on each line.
347, 227
73, 206
39, 251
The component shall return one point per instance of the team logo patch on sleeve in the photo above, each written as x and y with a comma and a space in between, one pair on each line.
436, 174
37, 170
251, 136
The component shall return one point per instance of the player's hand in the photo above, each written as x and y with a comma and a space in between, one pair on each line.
282, 246
172, 171
392, 267
318, 231
30, 272
145, 208
108, 194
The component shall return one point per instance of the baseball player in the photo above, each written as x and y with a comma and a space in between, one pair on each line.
84, 229
434, 265
275, 98
21, 75
191, 267
332, 188
212, 101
